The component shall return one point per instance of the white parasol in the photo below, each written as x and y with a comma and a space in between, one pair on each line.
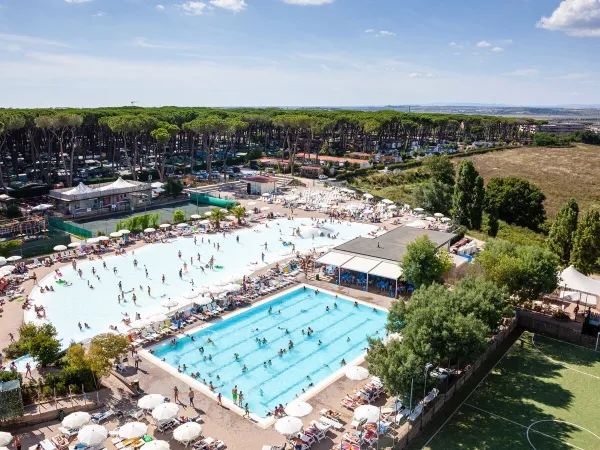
92, 435
165, 225
60, 248
298, 409
166, 411
139, 324
5, 438
367, 413
124, 231
102, 238
357, 373
265, 208
183, 225
187, 432
150, 401
2, 260
14, 258
116, 234
170, 303
438, 215
195, 217
419, 209
208, 213
76, 420
288, 425
149, 230
92, 241
74, 244
133, 430
158, 318
191, 294
157, 445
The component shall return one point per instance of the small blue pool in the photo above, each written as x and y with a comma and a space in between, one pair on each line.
279, 321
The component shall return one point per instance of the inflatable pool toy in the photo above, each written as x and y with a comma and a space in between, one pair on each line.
60, 282
218, 267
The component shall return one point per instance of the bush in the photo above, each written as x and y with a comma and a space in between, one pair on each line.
178, 216
560, 315
13, 211
14, 350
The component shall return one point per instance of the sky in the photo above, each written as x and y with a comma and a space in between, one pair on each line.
88, 53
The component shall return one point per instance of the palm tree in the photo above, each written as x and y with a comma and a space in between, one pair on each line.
239, 212
216, 216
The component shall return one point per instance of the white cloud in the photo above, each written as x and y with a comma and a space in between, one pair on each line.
143, 42
99, 14
420, 75
523, 73
232, 5
484, 44
13, 48
453, 44
386, 33
31, 40
574, 17
497, 49
160, 7
308, 2
77, 1
193, 8
573, 76
369, 30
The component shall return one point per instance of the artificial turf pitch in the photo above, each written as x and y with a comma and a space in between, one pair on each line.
542, 394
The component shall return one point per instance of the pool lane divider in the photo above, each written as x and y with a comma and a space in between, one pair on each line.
262, 422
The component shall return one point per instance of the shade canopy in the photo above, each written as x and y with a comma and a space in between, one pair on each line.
76, 420
124, 231
187, 432
170, 303
191, 294
387, 270
150, 401
367, 196
14, 258
102, 238
183, 225
367, 413
92, 435
157, 445
92, 241
149, 230
139, 324
74, 244
387, 201
334, 259
158, 318
438, 215
195, 217
419, 209
360, 264
288, 425
165, 225
133, 430
357, 373
5, 438
166, 411
571, 278
298, 409
60, 248
116, 234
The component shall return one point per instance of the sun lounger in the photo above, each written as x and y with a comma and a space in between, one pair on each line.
101, 417
68, 432
333, 423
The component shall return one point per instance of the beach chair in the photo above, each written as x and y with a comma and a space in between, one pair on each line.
68, 432
332, 423
103, 416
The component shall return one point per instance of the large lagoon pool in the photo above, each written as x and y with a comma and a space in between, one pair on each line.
99, 307
342, 332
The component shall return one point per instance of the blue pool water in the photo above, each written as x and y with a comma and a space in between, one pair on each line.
286, 376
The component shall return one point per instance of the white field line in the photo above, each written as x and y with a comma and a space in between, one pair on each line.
560, 363
467, 398
528, 428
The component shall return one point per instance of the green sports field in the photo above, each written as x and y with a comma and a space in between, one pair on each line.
543, 394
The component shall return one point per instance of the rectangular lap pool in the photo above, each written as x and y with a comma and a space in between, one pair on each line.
271, 379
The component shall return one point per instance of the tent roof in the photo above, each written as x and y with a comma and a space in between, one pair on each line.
387, 270
80, 189
334, 259
120, 183
579, 297
571, 278
360, 264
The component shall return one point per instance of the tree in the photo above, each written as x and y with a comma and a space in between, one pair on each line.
239, 212
173, 187
467, 201
105, 348
440, 168
493, 224
423, 263
76, 357
162, 137
13, 212
517, 201
216, 217
586, 242
526, 271
7, 247
560, 238
481, 298
40, 342
178, 216
433, 196
9, 124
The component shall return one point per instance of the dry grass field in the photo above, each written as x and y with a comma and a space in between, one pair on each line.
561, 173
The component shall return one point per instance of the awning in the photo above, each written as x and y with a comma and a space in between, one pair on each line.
360, 264
571, 278
334, 259
579, 297
387, 270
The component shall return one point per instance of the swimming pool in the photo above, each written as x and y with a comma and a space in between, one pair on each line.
342, 331
99, 308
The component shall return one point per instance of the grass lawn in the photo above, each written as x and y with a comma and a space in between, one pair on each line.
561, 173
543, 394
